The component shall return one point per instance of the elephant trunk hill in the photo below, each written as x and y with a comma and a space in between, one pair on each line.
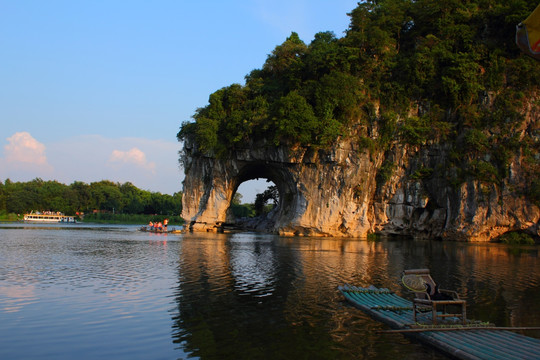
422, 120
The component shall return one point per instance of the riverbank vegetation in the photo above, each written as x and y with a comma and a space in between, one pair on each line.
516, 238
101, 201
406, 72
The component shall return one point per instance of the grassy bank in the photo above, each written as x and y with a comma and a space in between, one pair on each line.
9, 217
130, 219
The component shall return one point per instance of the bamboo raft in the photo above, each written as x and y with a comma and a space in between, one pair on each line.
159, 231
468, 342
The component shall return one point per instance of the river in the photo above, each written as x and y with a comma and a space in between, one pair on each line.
110, 292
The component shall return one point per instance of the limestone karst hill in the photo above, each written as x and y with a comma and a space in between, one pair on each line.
422, 120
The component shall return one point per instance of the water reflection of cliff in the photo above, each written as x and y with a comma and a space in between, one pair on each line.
230, 296
260, 296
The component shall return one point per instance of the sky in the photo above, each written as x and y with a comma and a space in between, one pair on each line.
95, 90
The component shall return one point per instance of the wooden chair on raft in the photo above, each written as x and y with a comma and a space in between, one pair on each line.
428, 295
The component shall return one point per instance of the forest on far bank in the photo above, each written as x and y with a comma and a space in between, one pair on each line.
103, 197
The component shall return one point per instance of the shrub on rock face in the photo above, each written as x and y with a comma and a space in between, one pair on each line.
516, 238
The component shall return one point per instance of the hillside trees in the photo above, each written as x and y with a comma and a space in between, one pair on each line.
414, 72
396, 52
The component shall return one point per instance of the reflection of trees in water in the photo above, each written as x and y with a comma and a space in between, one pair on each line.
529, 299
493, 305
227, 310
257, 296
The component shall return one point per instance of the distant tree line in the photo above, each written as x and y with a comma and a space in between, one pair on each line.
103, 196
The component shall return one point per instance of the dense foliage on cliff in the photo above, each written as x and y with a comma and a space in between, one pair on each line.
39, 195
415, 72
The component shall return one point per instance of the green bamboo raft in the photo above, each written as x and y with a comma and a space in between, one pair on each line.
476, 341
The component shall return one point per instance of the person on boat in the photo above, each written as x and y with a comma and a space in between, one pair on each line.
160, 226
150, 225
165, 222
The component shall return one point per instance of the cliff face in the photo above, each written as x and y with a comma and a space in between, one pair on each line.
347, 191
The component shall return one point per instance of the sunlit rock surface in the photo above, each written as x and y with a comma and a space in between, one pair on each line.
337, 192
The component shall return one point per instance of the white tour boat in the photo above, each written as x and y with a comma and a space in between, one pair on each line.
48, 217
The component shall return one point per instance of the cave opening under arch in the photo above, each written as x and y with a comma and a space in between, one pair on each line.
281, 190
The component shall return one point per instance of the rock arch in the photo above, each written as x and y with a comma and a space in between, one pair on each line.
317, 191
336, 192
285, 183
211, 183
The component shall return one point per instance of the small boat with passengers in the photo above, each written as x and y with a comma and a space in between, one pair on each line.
159, 227
159, 231
48, 217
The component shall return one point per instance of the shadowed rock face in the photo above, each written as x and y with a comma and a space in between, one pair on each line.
337, 192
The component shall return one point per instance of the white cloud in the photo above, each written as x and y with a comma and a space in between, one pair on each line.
133, 156
24, 157
23, 148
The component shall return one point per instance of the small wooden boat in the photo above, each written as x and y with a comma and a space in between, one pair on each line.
160, 231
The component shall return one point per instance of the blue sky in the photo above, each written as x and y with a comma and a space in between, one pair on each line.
97, 89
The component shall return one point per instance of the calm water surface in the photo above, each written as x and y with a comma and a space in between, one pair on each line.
90, 292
